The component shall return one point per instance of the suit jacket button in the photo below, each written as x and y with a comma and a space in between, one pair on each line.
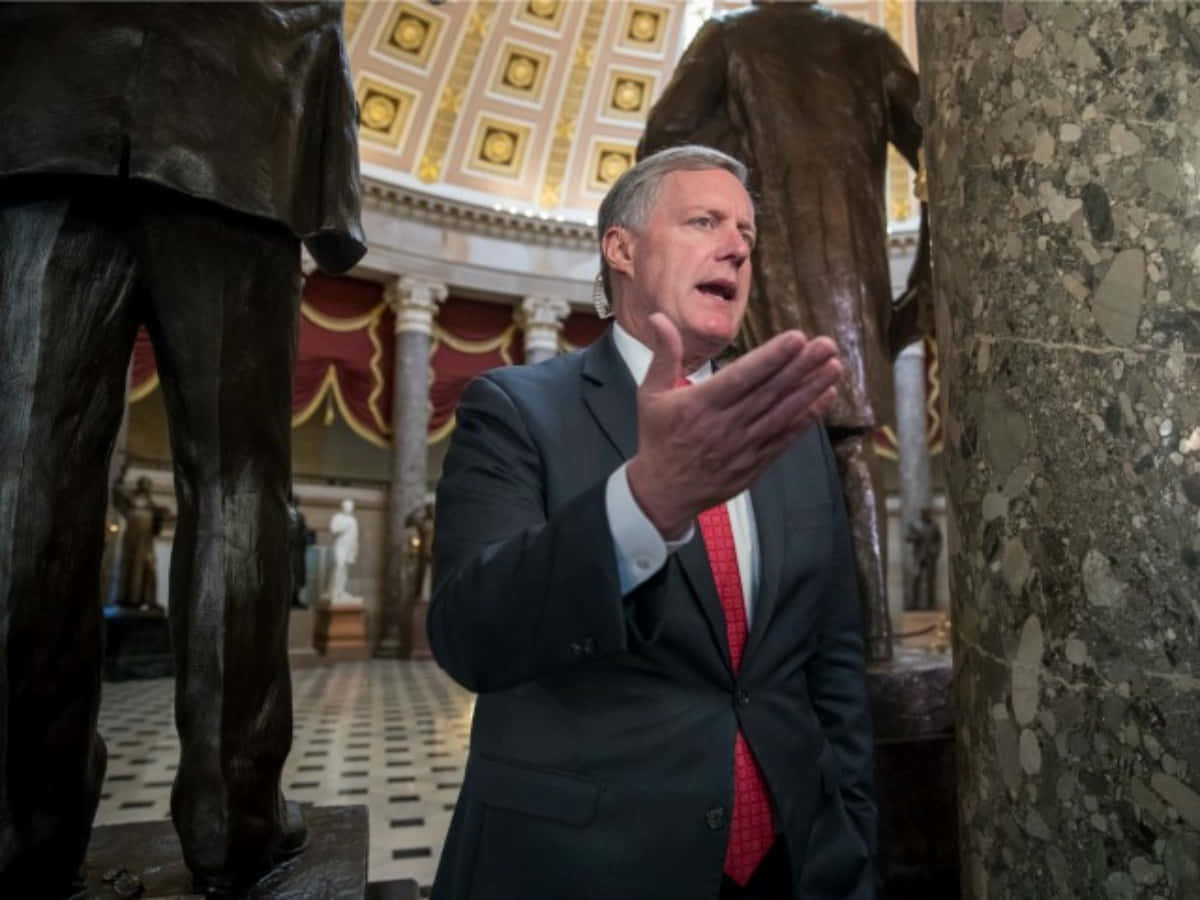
743, 697
576, 648
589, 646
715, 818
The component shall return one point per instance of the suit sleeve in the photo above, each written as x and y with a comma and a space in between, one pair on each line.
516, 594
689, 110
913, 316
837, 674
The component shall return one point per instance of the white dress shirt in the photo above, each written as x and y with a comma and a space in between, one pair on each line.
641, 550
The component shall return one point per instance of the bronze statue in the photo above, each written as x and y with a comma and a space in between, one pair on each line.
298, 534
160, 164
143, 523
809, 99
926, 539
420, 528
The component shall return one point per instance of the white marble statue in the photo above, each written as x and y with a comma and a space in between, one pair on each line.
344, 528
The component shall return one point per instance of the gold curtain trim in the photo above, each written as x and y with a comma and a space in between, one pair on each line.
341, 325
887, 452
141, 393
935, 392
330, 383
500, 342
476, 348
444, 431
377, 376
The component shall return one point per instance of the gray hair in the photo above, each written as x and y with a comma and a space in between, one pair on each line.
629, 201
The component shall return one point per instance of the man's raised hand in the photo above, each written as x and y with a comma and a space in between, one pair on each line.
700, 446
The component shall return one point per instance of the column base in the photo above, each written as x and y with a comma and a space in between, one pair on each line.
915, 771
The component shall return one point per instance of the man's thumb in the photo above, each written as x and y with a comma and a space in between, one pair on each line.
666, 367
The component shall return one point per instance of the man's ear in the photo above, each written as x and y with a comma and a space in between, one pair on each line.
617, 247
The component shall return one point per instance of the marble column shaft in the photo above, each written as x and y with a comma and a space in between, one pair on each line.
414, 302
1062, 143
541, 318
912, 436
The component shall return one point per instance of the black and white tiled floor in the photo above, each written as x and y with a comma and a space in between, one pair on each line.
389, 735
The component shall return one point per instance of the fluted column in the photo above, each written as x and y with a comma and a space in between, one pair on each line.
541, 318
1062, 143
414, 302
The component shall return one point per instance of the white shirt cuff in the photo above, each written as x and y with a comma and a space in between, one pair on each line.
641, 550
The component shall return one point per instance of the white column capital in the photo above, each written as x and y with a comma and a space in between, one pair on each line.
414, 302
544, 311
541, 319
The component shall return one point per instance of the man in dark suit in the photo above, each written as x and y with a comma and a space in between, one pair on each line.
160, 164
651, 588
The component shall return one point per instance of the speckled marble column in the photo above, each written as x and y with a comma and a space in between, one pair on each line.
541, 318
1062, 143
414, 302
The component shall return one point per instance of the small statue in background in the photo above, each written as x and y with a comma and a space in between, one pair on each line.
344, 527
144, 521
926, 540
297, 545
419, 526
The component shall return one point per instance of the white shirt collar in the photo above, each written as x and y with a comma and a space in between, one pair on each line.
637, 357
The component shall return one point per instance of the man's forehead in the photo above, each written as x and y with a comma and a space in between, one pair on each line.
705, 187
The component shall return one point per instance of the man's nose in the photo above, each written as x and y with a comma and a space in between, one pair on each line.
735, 246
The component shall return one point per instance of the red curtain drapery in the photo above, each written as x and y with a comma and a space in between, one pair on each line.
469, 337
143, 372
580, 329
346, 356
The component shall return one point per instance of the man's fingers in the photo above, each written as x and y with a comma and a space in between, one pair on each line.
807, 403
776, 443
784, 384
666, 366
744, 376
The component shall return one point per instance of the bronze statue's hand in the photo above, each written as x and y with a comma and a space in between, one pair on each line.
700, 446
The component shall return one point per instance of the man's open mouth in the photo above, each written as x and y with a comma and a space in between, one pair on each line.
725, 290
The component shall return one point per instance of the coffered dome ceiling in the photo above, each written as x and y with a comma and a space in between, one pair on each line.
530, 105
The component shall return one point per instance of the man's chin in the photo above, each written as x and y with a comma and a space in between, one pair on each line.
707, 344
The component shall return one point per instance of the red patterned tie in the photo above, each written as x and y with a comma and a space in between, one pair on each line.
750, 832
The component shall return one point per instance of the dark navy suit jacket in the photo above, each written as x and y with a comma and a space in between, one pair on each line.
601, 752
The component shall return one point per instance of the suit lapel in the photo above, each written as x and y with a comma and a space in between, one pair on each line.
767, 495
611, 396
693, 561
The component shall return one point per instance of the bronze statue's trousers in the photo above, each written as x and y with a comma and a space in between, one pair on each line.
862, 490
82, 263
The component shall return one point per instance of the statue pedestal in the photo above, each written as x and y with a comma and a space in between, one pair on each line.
340, 632
915, 772
137, 644
334, 864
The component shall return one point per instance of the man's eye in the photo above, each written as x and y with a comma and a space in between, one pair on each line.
702, 221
